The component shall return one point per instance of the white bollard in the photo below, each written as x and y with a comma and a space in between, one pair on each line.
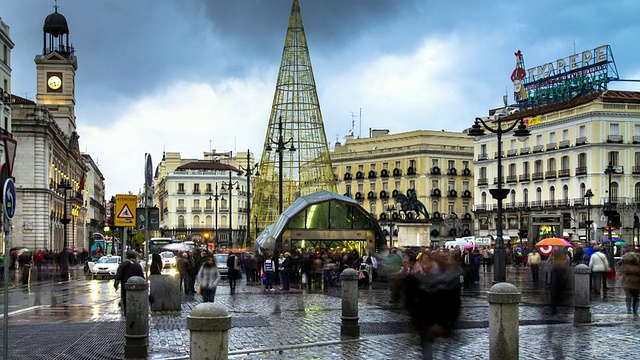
209, 326
349, 327
504, 322
582, 295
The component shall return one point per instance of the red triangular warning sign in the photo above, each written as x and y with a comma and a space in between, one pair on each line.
125, 213
10, 146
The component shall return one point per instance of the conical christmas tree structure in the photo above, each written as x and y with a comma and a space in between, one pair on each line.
295, 159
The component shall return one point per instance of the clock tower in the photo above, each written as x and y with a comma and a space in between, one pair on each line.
56, 72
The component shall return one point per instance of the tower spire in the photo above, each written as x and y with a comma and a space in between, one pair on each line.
295, 116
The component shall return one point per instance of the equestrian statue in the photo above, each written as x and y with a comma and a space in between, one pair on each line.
410, 203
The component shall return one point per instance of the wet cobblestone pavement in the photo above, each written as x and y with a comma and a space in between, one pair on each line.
302, 325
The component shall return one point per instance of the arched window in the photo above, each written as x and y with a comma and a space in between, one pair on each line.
223, 221
538, 194
484, 198
583, 190
525, 197
208, 222
181, 221
614, 192
565, 193
434, 206
636, 193
196, 222
552, 193
513, 197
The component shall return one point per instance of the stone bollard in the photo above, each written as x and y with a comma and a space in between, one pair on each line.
349, 327
504, 322
137, 318
581, 295
165, 293
209, 326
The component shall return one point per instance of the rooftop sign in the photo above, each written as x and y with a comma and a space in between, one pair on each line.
563, 79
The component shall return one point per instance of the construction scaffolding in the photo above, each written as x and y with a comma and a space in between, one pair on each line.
295, 156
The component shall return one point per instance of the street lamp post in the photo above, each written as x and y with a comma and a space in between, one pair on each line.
609, 170
64, 185
249, 171
230, 185
588, 195
476, 131
281, 147
390, 209
216, 197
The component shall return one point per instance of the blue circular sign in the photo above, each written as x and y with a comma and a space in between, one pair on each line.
9, 198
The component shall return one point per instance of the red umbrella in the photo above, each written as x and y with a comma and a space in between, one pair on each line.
545, 246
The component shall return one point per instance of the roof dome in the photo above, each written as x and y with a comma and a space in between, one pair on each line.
56, 24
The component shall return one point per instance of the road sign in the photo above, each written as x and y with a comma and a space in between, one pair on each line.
148, 171
154, 217
9, 198
125, 210
10, 146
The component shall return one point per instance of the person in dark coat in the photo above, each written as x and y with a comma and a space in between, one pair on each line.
287, 270
126, 270
183, 269
233, 266
156, 264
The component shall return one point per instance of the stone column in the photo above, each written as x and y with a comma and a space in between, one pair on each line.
581, 295
504, 322
209, 326
137, 318
349, 327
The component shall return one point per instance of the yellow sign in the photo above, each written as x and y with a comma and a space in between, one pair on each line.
125, 210
533, 121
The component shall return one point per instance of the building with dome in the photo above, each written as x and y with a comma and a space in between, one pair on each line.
50, 171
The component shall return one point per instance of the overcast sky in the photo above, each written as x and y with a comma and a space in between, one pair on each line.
179, 75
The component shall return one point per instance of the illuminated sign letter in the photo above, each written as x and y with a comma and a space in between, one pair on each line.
560, 65
532, 74
601, 53
573, 64
586, 57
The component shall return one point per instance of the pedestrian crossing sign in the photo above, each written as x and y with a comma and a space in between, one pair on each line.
125, 210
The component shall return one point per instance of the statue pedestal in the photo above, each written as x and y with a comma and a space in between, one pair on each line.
414, 234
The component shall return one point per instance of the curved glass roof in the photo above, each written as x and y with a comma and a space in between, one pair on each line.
353, 216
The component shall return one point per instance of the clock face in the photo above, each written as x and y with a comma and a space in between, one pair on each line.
54, 82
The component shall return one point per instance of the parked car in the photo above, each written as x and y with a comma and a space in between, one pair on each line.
106, 266
221, 263
88, 265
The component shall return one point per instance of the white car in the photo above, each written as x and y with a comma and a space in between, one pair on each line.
221, 264
106, 266
168, 260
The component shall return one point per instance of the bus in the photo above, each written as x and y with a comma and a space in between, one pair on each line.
156, 245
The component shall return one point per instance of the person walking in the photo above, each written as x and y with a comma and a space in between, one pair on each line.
233, 266
630, 271
533, 260
183, 270
126, 270
598, 265
208, 279
156, 264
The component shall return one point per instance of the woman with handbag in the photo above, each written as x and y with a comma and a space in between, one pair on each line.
599, 265
207, 279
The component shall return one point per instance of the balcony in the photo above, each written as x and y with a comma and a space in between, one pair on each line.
581, 140
636, 139
196, 209
397, 172
510, 206
208, 192
496, 154
495, 180
564, 144
552, 146
538, 148
483, 181
512, 152
525, 150
635, 170
536, 204
181, 209
614, 139
564, 173
552, 174
180, 192
579, 202
549, 203
525, 177
581, 170
196, 192
482, 157
563, 203
208, 209
371, 195
536, 176
384, 173
359, 175
347, 176
481, 207
436, 193
512, 178
411, 170
372, 174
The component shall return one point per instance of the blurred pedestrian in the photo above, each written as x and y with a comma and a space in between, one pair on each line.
127, 269
287, 269
156, 264
269, 272
559, 262
207, 279
233, 266
533, 260
183, 270
630, 271
599, 265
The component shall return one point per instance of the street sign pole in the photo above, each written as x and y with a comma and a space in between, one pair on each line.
148, 182
9, 204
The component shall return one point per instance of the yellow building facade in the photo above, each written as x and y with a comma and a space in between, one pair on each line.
570, 146
436, 164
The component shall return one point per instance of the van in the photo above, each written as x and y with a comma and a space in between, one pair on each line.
453, 244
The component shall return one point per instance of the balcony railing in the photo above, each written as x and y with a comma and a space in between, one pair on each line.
482, 157
538, 148
181, 209
536, 176
536, 204
496, 154
525, 177
616, 139
564, 173
525, 150
552, 146
196, 209
636, 169
495, 180
581, 170
512, 152
579, 202
636, 139
581, 141
563, 203
481, 207
552, 174
181, 192
549, 203
483, 181
208, 209
196, 191
208, 192
512, 178
564, 144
